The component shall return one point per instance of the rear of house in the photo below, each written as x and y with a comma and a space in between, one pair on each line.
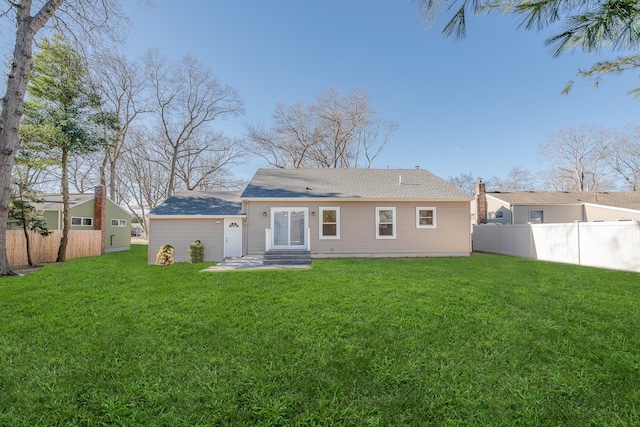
213, 217
356, 213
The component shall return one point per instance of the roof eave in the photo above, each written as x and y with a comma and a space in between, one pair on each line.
194, 216
353, 199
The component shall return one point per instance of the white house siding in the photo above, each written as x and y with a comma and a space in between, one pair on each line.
603, 213
181, 233
552, 213
496, 205
358, 232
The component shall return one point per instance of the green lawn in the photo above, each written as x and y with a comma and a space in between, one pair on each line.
486, 340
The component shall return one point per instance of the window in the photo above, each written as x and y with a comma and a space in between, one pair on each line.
425, 217
118, 222
75, 220
536, 216
329, 223
385, 223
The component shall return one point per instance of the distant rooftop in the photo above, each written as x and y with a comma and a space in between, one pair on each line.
620, 199
53, 202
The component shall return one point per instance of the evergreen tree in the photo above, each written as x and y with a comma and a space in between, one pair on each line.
23, 214
62, 114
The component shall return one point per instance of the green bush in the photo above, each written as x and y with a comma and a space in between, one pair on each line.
196, 252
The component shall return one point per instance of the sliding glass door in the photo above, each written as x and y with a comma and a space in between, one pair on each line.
289, 227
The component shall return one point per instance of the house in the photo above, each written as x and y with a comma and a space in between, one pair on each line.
215, 218
325, 212
87, 211
523, 207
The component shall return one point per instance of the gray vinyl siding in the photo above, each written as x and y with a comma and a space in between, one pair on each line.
551, 213
609, 213
181, 233
358, 229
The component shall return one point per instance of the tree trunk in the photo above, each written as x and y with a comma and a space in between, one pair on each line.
12, 102
112, 180
26, 238
66, 215
172, 170
10, 118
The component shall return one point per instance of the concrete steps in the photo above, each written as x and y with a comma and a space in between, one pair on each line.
287, 257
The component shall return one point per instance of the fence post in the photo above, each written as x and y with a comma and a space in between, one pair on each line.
577, 223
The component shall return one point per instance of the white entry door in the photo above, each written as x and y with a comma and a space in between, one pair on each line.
232, 237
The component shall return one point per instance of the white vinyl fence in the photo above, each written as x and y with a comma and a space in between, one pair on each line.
614, 245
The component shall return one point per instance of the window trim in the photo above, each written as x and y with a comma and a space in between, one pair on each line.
425, 208
393, 223
321, 223
124, 221
83, 220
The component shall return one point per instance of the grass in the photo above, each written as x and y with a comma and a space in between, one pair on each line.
486, 340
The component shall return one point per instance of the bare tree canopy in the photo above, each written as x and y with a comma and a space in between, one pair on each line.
336, 131
579, 156
186, 99
624, 156
122, 86
464, 181
518, 179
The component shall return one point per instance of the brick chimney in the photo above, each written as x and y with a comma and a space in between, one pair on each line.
481, 202
100, 213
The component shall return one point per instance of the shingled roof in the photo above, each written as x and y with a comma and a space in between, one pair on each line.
211, 203
387, 184
53, 202
619, 199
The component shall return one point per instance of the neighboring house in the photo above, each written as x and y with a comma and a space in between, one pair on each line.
85, 215
213, 217
326, 212
522, 207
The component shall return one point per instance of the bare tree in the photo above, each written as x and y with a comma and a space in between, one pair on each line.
518, 179
187, 98
121, 85
203, 163
464, 181
579, 159
624, 157
141, 180
84, 171
92, 19
336, 131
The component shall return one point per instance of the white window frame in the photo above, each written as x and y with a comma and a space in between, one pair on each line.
541, 217
321, 210
119, 223
83, 221
425, 208
393, 222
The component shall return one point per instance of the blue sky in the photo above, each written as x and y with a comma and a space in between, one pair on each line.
483, 104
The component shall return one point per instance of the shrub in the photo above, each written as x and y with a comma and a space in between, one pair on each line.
165, 256
196, 252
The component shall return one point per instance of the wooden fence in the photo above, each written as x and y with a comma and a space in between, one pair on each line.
82, 243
